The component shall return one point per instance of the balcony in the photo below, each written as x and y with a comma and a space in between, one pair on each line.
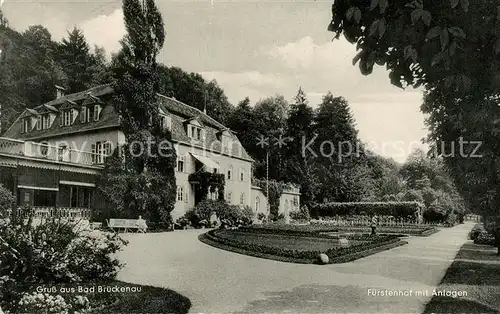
43, 151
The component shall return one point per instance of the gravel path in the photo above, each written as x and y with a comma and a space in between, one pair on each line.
217, 281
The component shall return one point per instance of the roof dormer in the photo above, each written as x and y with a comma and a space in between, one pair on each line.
195, 129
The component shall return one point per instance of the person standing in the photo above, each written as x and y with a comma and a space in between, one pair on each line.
374, 225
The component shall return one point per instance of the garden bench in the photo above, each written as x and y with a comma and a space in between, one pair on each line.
126, 224
96, 225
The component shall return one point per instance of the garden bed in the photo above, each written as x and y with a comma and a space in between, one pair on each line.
295, 248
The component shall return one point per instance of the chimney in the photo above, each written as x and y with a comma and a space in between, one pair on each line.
59, 91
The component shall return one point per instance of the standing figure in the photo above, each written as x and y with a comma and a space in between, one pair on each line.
374, 225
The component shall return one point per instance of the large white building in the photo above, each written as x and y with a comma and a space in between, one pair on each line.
51, 154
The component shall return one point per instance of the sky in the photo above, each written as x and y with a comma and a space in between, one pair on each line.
253, 48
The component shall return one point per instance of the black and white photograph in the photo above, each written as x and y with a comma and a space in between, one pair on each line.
249, 156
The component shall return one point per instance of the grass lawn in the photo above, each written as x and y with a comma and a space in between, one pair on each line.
475, 271
148, 300
299, 243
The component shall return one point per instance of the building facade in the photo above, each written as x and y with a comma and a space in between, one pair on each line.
52, 154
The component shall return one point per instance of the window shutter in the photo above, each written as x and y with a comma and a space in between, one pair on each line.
97, 111
190, 133
169, 123
83, 112
204, 134
61, 118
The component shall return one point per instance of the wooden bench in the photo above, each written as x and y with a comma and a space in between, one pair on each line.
126, 224
96, 225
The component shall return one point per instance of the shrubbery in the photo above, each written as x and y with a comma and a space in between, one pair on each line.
484, 237
6, 202
396, 209
301, 215
229, 215
474, 233
51, 253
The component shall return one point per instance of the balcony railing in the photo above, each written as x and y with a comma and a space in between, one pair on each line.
44, 151
52, 212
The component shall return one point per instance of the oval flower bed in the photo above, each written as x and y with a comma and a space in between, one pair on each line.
297, 248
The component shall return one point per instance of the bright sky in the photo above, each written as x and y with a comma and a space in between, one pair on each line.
256, 49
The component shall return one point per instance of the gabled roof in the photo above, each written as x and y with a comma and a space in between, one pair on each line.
68, 104
45, 108
91, 99
109, 118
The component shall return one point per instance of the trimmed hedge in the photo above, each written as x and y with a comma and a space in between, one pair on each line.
300, 256
316, 229
396, 209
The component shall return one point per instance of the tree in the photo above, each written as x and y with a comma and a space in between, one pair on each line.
300, 128
77, 61
147, 172
270, 120
192, 89
3, 20
335, 151
451, 49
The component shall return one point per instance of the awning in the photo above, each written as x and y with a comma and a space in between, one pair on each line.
206, 161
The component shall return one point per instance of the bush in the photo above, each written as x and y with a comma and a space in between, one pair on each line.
485, 237
301, 215
52, 253
433, 216
261, 217
234, 215
396, 209
474, 233
6, 202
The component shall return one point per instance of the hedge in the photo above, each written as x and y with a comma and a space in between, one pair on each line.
396, 209
316, 229
301, 256
485, 237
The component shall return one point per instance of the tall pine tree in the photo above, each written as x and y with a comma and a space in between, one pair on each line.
299, 130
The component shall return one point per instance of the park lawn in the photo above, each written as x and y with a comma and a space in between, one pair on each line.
475, 270
299, 243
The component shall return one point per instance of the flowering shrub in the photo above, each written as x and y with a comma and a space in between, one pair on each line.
301, 215
47, 303
485, 237
51, 253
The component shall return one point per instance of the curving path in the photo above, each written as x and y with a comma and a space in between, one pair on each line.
218, 281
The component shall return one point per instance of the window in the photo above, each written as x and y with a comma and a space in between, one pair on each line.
180, 193
195, 133
286, 205
97, 112
257, 204
26, 125
45, 121
242, 198
61, 152
68, 117
44, 148
242, 174
229, 197
166, 122
100, 151
39, 122
229, 172
180, 164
